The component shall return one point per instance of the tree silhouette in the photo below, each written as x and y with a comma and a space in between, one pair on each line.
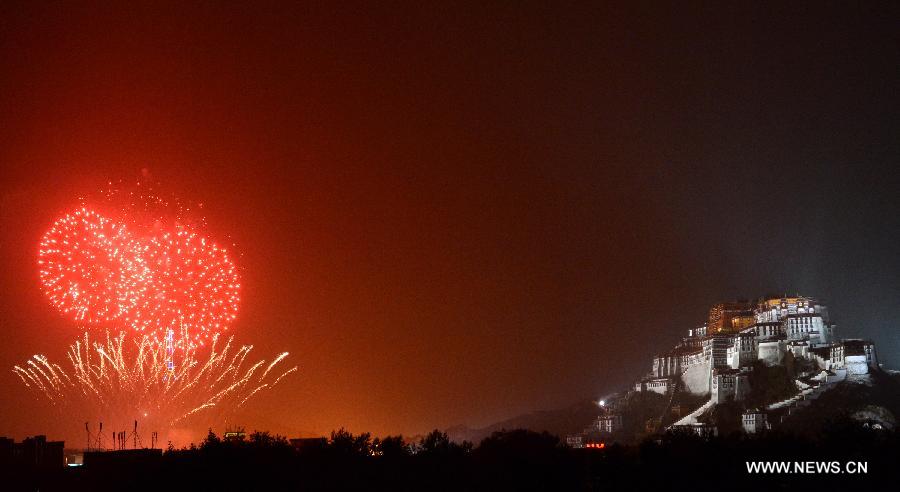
344, 443
265, 440
212, 441
390, 447
438, 443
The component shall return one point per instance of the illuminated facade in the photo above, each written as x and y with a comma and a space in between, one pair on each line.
754, 420
855, 353
607, 424
655, 385
729, 316
778, 308
716, 358
795, 318
598, 430
742, 351
729, 384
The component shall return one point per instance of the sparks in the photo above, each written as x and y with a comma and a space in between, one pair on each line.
91, 268
125, 377
111, 274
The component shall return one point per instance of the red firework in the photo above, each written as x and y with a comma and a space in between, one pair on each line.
194, 286
103, 273
91, 268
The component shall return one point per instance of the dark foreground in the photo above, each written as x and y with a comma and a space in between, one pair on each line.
510, 460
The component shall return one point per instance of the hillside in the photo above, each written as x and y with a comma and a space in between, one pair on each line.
559, 422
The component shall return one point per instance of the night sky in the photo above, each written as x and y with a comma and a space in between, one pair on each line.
455, 214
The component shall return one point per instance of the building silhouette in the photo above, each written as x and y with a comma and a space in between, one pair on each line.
32, 453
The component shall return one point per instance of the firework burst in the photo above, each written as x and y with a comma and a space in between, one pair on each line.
91, 268
104, 273
134, 263
122, 378
194, 286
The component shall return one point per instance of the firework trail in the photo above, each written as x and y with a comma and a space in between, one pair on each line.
126, 378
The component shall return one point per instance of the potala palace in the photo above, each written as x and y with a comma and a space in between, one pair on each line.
714, 364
